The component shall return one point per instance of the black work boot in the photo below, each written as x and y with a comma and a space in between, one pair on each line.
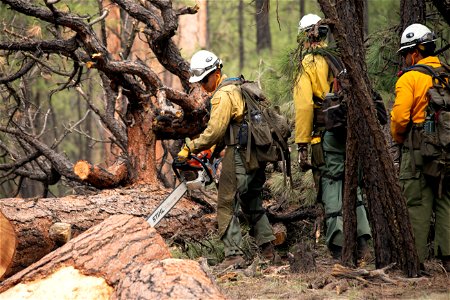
237, 261
363, 250
268, 252
336, 251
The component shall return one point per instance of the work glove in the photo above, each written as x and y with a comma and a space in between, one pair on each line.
303, 160
185, 151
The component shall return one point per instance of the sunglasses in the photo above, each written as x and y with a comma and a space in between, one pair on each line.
199, 71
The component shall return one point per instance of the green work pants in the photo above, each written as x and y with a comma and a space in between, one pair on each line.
332, 175
248, 198
420, 192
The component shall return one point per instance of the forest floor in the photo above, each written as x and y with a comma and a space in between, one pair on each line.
327, 280
278, 282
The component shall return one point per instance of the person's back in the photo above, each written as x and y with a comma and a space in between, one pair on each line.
424, 193
327, 147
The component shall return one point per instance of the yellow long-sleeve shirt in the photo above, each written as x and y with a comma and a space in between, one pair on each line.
313, 80
226, 105
410, 99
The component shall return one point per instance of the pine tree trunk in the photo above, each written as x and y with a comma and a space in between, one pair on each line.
263, 36
411, 11
367, 149
120, 258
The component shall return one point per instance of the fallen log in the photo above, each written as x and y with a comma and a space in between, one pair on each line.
297, 215
33, 219
120, 258
99, 177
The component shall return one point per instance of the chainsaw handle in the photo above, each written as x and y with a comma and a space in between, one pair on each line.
183, 165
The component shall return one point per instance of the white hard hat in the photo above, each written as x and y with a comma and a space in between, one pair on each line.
202, 63
416, 34
308, 21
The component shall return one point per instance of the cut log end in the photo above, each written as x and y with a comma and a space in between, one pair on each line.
82, 169
280, 232
8, 243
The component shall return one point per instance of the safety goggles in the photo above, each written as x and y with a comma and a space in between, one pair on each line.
199, 71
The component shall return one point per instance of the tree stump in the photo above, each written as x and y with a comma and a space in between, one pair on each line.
120, 258
34, 219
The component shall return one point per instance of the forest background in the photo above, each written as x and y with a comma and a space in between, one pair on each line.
230, 31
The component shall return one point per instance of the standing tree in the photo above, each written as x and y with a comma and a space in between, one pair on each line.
263, 36
411, 12
241, 34
72, 46
392, 232
443, 6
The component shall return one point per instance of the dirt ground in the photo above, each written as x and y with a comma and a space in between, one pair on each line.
263, 281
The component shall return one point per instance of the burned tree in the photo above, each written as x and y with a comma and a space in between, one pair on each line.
72, 48
391, 230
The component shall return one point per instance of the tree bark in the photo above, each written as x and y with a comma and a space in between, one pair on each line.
33, 219
443, 6
263, 36
241, 34
388, 215
99, 177
411, 11
127, 259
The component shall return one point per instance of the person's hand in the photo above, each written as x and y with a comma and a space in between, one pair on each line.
303, 160
184, 153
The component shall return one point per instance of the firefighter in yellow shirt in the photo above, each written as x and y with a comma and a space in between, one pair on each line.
407, 123
328, 148
240, 185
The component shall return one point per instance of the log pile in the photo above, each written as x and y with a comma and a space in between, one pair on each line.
42, 225
120, 258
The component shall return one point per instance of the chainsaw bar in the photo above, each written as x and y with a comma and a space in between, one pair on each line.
167, 204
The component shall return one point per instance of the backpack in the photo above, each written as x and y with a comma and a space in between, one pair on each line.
331, 112
435, 136
264, 129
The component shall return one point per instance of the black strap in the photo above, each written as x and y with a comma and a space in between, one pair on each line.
433, 72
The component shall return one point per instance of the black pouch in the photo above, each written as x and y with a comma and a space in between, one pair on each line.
317, 156
335, 112
243, 135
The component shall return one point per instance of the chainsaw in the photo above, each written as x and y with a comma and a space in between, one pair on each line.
199, 165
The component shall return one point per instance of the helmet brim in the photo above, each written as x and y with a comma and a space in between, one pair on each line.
413, 45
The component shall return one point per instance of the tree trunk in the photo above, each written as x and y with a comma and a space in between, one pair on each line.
388, 215
33, 219
120, 258
411, 11
263, 36
302, 8
241, 34
443, 6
